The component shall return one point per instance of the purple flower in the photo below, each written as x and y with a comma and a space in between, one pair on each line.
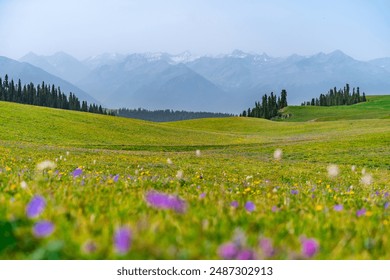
387, 204
202, 195
274, 209
164, 201
116, 177
338, 207
77, 172
89, 247
245, 254
250, 206
35, 207
309, 247
43, 229
266, 246
234, 204
228, 251
122, 240
361, 212
294, 192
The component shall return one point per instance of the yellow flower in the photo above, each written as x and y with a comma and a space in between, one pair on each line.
318, 207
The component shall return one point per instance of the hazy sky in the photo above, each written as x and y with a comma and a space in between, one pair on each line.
360, 28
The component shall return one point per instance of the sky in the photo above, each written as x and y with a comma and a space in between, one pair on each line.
85, 28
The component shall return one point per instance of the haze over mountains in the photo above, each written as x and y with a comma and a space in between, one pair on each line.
224, 83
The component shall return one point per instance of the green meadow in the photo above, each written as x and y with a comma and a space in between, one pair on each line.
330, 185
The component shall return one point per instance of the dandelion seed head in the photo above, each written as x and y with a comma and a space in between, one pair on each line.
366, 179
353, 168
198, 153
278, 153
47, 164
333, 171
179, 174
23, 185
169, 161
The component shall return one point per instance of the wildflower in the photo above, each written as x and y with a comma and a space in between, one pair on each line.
202, 195
164, 201
77, 172
366, 179
338, 207
179, 174
266, 246
294, 192
353, 168
89, 247
23, 185
198, 153
228, 251
234, 204
122, 240
387, 204
169, 161
274, 208
361, 212
250, 206
245, 254
310, 247
47, 164
116, 178
35, 207
333, 171
278, 154
43, 229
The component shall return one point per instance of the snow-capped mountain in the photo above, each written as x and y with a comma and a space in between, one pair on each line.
225, 83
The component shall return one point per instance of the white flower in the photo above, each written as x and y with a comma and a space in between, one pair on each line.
67, 153
179, 174
169, 161
363, 171
278, 154
47, 164
333, 170
23, 184
197, 153
353, 168
366, 179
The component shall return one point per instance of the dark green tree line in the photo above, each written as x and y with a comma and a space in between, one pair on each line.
166, 115
339, 97
46, 96
268, 107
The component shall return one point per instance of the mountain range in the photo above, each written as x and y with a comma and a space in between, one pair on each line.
225, 83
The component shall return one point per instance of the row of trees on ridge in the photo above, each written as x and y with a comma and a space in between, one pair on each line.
339, 97
268, 107
45, 95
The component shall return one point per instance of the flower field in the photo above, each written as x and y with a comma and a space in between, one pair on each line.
80, 186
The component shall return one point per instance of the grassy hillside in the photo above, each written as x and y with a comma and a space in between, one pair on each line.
376, 107
233, 192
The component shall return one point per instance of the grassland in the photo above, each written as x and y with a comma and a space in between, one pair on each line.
376, 107
122, 160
